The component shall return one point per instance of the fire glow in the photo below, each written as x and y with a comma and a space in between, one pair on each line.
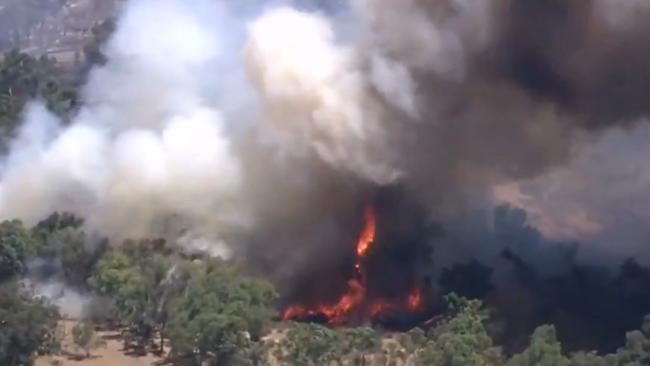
354, 302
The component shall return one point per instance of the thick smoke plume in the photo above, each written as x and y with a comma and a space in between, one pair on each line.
263, 128
146, 147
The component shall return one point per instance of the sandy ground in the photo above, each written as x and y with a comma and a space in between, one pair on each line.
110, 354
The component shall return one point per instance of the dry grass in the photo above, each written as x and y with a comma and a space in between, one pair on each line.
112, 354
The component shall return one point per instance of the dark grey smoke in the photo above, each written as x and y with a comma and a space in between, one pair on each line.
469, 96
565, 52
265, 127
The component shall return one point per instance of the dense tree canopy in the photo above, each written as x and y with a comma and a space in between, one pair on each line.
220, 314
25, 78
460, 339
310, 345
27, 325
208, 311
16, 244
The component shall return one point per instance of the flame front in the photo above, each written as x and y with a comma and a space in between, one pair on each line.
354, 297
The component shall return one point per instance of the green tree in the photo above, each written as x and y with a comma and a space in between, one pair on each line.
24, 78
460, 339
77, 253
117, 276
361, 342
27, 325
636, 351
16, 243
53, 223
219, 315
592, 359
84, 337
112, 272
310, 345
393, 354
141, 284
114, 278
412, 340
544, 350
254, 353
142, 301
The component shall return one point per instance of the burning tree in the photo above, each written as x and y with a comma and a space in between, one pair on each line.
355, 303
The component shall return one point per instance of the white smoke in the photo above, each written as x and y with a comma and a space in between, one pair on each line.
314, 93
148, 143
151, 152
162, 144
71, 303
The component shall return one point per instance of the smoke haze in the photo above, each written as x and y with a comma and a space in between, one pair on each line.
263, 128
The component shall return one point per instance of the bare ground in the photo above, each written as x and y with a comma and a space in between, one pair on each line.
110, 354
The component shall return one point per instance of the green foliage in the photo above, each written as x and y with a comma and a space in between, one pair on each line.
27, 325
82, 334
138, 290
24, 78
412, 340
592, 359
310, 345
636, 351
392, 355
544, 350
142, 301
112, 273
76, 253
16, 243
254, 353
53, 223
460, 339
360, 342
220, 314
60, 237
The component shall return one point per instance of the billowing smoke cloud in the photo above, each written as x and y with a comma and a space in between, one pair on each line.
265, 127
315, 93
148, 147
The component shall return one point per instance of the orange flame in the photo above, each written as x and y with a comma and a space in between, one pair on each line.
414, 301
356, 290
368, 234
354, 297
381, 306
335, 313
